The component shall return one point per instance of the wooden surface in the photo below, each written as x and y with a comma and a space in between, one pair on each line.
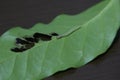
26, 13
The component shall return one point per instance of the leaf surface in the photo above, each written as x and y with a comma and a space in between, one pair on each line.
84, 37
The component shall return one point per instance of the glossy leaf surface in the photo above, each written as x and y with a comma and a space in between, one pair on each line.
84, 37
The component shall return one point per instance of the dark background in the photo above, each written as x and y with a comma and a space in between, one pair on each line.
26, 13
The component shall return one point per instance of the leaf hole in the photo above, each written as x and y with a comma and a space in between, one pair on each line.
25, 43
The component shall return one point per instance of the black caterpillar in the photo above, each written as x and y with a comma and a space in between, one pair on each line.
26, 43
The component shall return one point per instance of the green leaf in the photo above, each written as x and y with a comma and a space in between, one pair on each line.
84, 37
